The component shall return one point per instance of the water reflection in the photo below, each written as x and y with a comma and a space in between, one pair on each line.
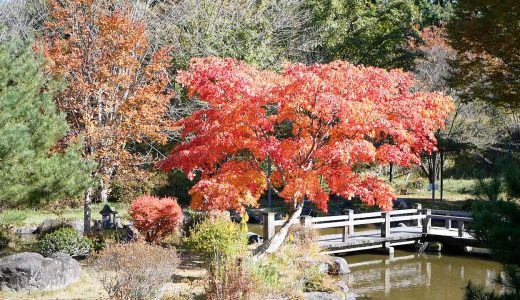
417, 276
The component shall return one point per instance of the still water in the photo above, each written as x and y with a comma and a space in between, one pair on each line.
411, 276
408, 275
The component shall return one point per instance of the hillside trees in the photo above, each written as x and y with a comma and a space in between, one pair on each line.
266, 33
374, 33
117, 92
321, 125
486, 34
33, 170
21, 19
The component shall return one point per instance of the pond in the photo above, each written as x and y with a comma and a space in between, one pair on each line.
407, 275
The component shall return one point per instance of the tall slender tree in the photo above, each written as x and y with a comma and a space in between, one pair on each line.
117, 91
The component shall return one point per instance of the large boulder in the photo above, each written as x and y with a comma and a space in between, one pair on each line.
33, 272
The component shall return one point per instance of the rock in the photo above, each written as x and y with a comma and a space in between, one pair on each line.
323, 266
340, 266
50, 225
33, 272
252, 238
401, 225
332, 265
29, 229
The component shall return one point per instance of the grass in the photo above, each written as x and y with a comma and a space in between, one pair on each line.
34, 217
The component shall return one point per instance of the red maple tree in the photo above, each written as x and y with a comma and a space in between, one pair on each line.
322, 126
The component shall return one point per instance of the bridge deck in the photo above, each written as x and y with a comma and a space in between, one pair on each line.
333, 243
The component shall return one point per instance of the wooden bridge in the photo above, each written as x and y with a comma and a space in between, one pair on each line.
391, 233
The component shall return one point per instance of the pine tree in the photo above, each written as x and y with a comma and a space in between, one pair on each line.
36, 166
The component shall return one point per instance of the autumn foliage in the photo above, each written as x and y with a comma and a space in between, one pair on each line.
322, 126
155, 217
116, 92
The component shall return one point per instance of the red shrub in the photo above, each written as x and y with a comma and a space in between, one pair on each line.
155, 217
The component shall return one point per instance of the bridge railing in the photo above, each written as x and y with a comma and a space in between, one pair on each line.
461, 217
419, 217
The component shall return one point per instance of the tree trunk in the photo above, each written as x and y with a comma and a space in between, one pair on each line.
274, 243
86, 210
442, 174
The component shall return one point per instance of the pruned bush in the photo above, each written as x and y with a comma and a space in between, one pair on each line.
217, 237
134, 270
65, 240
155, 217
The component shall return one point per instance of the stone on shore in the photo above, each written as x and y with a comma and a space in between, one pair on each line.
28, 271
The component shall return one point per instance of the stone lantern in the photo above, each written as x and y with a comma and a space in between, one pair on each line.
109, 217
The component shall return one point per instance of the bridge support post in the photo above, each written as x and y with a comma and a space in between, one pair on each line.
448, 224
461, 228
427, 224
418, 206
348, 229
385, 227
306, 222
269, 228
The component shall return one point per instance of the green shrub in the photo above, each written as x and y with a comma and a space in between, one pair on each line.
5, 236
65, 240
266, 272
217, 237
315, 281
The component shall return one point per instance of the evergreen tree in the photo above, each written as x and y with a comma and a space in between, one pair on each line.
36, 166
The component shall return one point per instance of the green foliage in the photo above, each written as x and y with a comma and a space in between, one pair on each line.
66, 240
13, 217
374, 33
263, 32
5, 236
217, 237
512, 180
33, 171
315, 281
510, 280
488, 188
497, 223
267, 272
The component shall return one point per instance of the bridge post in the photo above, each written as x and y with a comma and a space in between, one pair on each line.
427, 224
269, 228
448, 223
418, 206
461, 227
306, 222
385, 227
348, 229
